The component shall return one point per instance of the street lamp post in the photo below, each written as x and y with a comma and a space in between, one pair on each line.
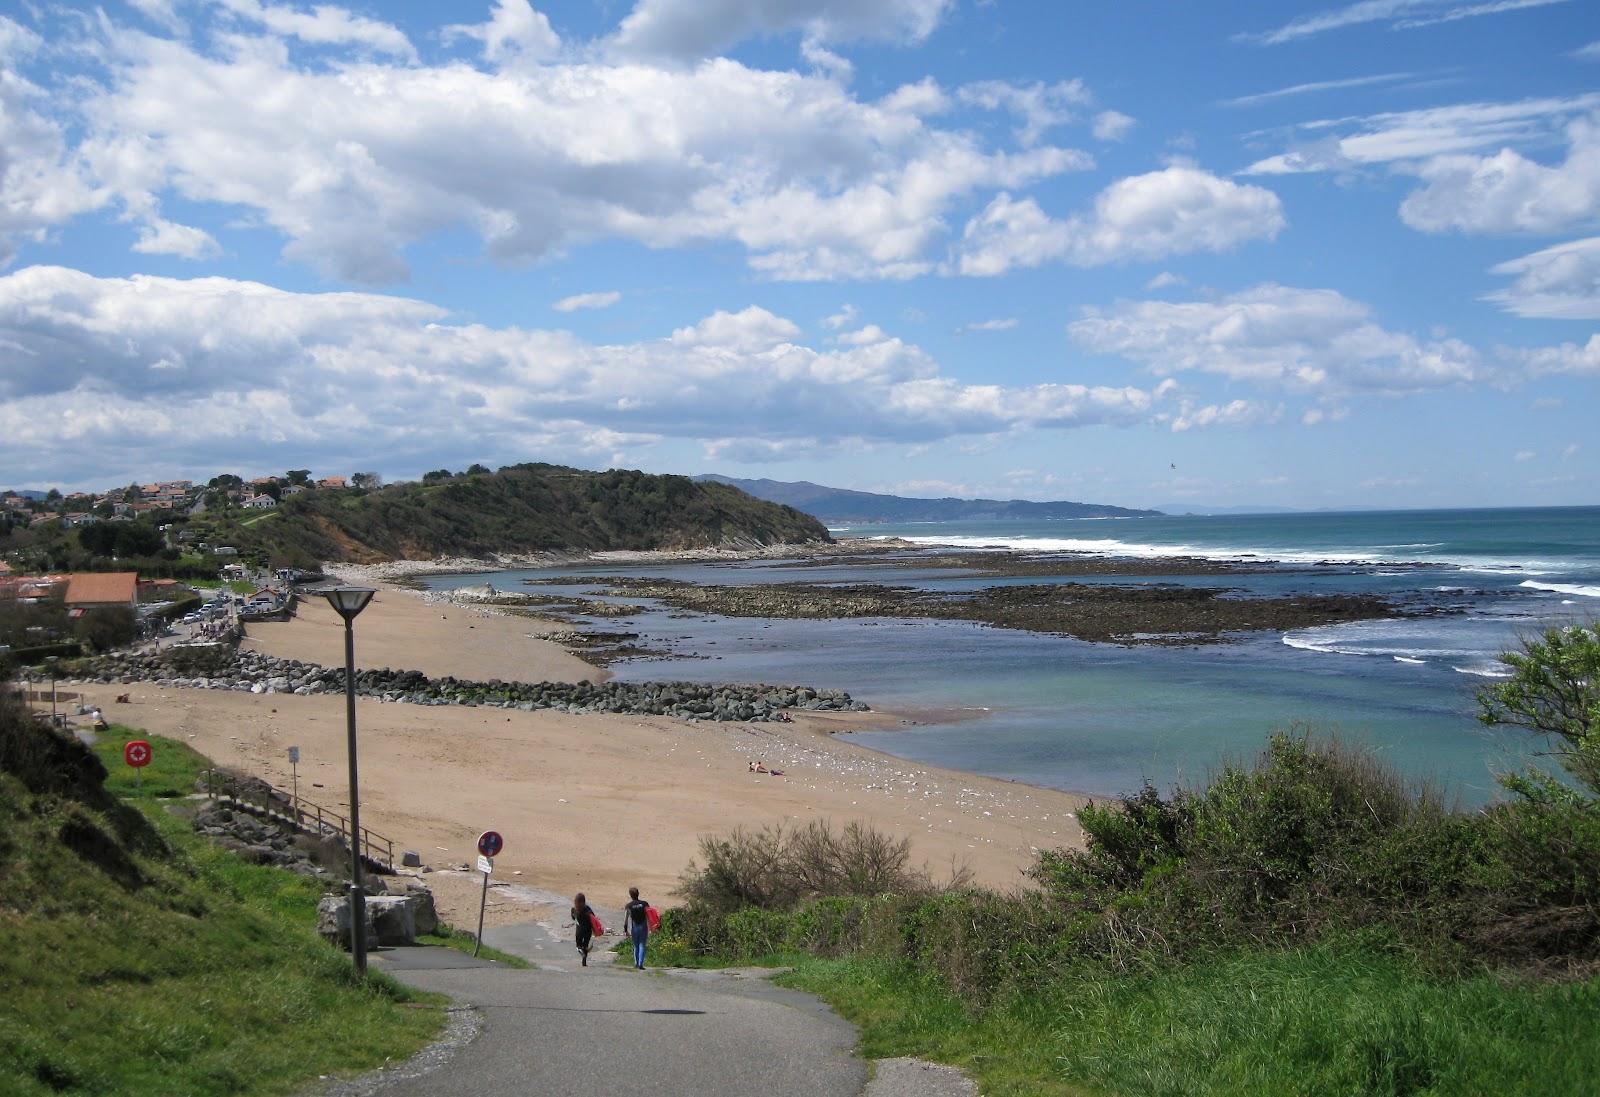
347, 602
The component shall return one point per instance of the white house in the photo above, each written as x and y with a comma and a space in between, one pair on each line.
260, 502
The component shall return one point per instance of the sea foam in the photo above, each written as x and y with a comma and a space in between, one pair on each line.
1563, 588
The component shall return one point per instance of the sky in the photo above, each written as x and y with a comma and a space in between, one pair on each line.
1308, 255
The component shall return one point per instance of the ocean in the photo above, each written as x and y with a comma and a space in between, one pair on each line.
1100, 718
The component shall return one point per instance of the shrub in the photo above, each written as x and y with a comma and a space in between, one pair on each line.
775, 868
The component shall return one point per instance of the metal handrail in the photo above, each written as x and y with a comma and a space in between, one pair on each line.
302, 813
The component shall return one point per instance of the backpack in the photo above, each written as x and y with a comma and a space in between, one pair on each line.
594, 924
652, 918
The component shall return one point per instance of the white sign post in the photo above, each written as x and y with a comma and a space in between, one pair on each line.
294, 769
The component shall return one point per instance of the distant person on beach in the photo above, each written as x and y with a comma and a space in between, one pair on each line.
636, 924
583, 917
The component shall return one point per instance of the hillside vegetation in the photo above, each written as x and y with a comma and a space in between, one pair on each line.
140, 959
1308, 924
525, 509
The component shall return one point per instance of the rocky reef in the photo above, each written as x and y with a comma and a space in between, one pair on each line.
1156, 613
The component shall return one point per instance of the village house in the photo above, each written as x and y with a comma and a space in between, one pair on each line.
331, 482
260, 502
293, 489
87, 590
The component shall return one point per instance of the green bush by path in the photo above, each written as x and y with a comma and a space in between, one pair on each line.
141, 959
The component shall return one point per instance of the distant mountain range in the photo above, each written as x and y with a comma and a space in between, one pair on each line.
842, 506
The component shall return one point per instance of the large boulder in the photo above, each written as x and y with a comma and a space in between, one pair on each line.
333, 921
427, 918
394, 917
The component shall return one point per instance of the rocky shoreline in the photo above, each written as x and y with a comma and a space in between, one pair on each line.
1160, 614
223, 667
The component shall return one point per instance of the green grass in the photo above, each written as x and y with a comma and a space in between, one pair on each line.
174, 770
447, 936
1337, 1019
158, 963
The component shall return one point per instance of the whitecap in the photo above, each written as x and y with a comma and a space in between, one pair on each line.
1563, 588
1492, 670
1408, 659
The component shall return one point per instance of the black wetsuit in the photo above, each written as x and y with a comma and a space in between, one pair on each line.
585, 927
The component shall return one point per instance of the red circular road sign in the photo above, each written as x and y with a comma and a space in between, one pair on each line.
137, 753
490, 843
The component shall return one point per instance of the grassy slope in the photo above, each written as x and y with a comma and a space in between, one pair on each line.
165, 965
526, 509
1324, 1020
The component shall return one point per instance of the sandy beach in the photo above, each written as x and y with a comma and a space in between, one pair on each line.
593, 802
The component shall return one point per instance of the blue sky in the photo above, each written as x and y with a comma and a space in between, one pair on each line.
1312, 255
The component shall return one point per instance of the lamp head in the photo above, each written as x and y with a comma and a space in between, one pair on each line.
348, 601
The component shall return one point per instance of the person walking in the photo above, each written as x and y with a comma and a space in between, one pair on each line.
636, 924
584, 918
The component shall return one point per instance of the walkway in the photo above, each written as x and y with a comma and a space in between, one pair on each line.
608, 1029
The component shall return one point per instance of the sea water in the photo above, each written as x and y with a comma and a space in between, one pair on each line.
1101, 718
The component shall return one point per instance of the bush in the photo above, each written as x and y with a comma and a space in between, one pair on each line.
776, 868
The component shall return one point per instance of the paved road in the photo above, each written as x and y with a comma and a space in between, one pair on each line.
605, 1029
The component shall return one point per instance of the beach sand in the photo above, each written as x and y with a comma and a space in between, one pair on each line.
585, 802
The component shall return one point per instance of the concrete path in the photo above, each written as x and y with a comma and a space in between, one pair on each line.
608, 1029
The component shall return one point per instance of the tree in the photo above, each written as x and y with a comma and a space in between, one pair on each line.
1554, 688
366, 481
225, 480
476, 469
298, 476
436, 475
105, 628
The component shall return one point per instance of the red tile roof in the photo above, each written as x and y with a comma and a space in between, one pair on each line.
102, 588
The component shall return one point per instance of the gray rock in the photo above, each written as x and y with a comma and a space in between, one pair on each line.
394, 919
334, 921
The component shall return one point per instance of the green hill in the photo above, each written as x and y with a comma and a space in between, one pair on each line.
523, 509
140, 959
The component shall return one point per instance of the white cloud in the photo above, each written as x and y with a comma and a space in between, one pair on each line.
1591, 52
1570, 452
1277, 336
1507, 192
1174, 211
323, 25
846, 315
1005, 323
1399, 14
353, 161
1344, 143
42, 184
692, 29
515, 33
587, 301
1317, 86
1038, 107
1561, 282
748, 332
145, 371
1524, 455
1235, 413
1112, 125
1165, 280
161, 237
1570, 358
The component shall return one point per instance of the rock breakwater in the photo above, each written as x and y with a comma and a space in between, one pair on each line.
254, 672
